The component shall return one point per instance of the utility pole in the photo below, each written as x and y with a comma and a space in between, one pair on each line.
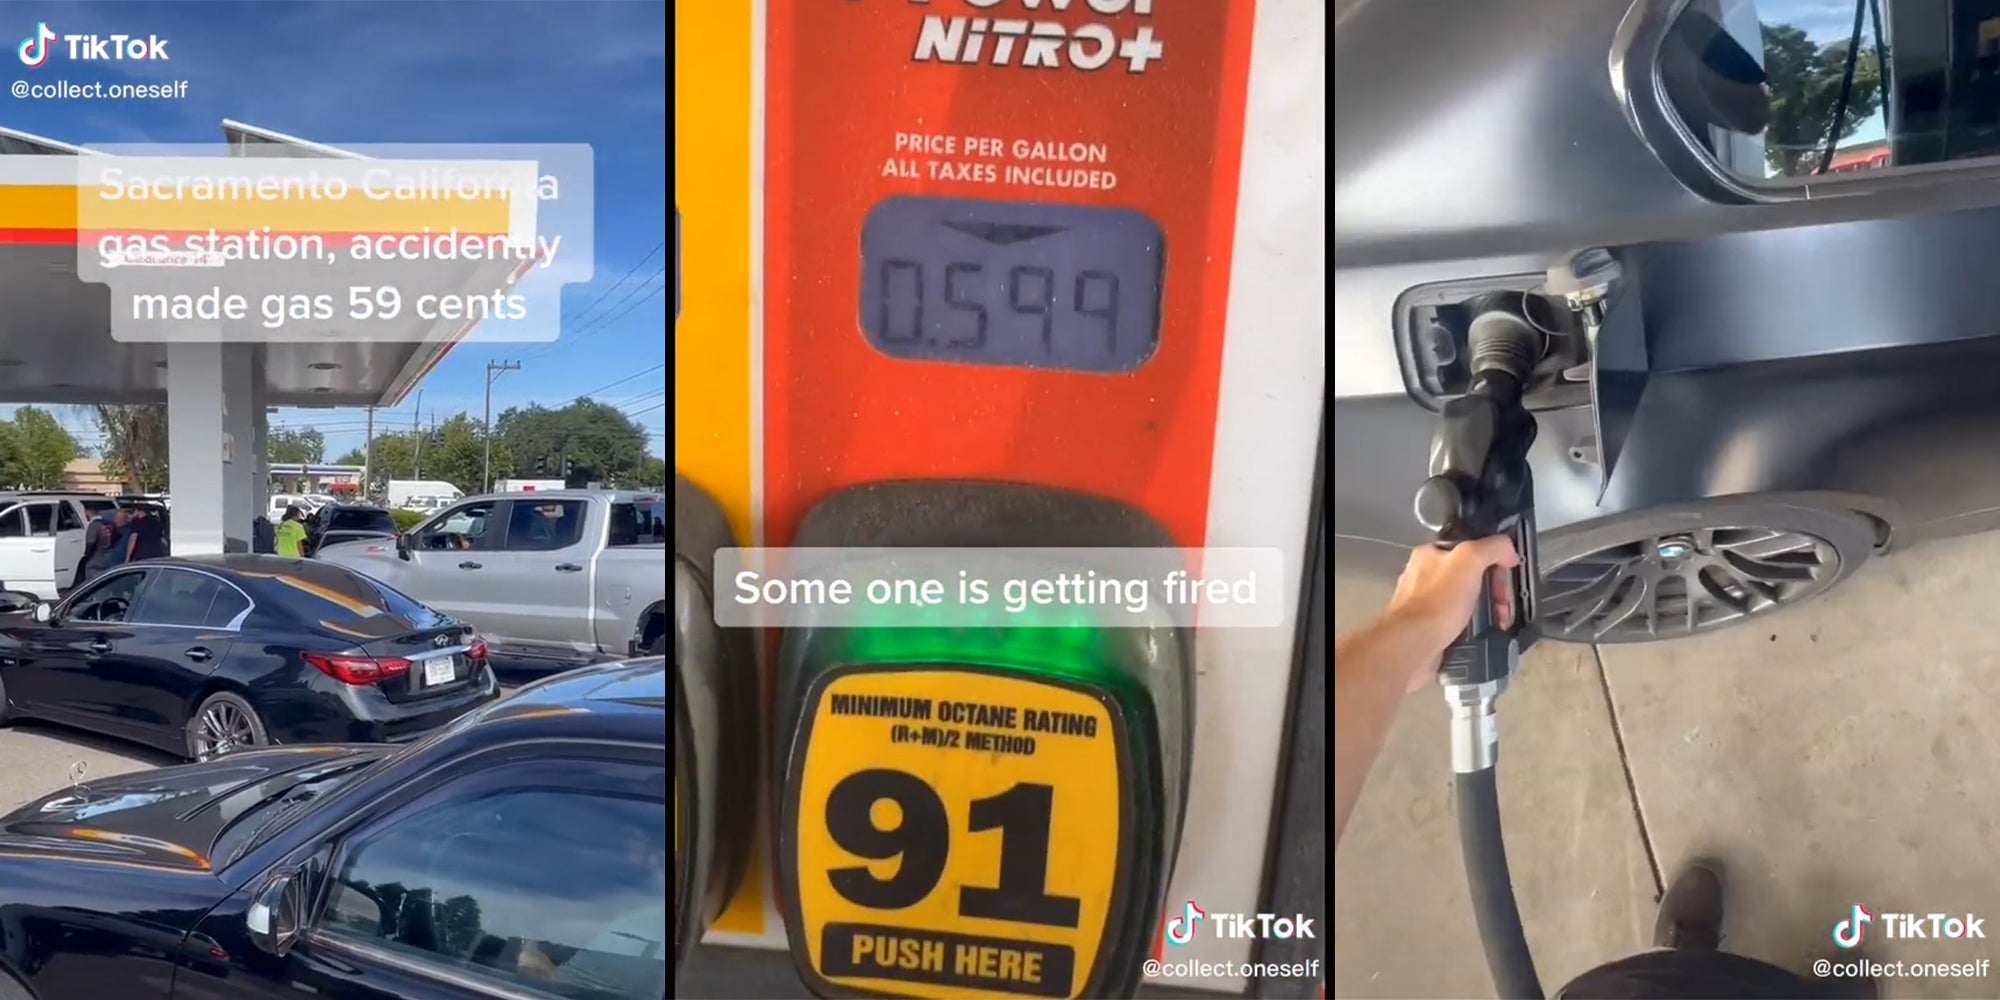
368, 458
417, 439
494, 369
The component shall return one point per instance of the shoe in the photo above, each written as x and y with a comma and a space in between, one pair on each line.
1691, 911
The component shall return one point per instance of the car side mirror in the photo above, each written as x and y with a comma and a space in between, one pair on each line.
276, 916
45, 613
403, 546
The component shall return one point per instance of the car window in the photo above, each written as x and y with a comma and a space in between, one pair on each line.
96, 507
360, 519
41, 519
178, 597
66, 519
1781, 91
109, 599
545, 525
13, 524
556, 888
229, 603
640, 522
461, 528
348, 603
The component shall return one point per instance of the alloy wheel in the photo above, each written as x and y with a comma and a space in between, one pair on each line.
1666, 586
223, 729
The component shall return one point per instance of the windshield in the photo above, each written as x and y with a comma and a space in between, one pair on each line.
266, 817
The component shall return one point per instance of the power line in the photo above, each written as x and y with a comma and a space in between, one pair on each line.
604, 322
581, 317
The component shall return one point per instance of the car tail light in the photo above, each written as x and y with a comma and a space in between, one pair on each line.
478, 651
351, 669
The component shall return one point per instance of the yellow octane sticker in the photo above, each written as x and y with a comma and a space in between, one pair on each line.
958, 834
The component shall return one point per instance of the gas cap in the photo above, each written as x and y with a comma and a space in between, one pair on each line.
978, 807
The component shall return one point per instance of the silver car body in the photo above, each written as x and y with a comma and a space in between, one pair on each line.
585, 600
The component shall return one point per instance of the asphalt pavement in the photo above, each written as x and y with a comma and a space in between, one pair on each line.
37, 757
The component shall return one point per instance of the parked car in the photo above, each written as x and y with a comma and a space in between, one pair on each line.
335, 523
42, 536
562, 577
208, 655
1793, 371
518, 852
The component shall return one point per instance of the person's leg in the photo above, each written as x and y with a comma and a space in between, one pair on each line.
1688, 961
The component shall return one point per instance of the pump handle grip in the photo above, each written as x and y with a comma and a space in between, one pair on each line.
1485, 650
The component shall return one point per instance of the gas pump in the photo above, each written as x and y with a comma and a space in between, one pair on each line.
1009, 278
715, 727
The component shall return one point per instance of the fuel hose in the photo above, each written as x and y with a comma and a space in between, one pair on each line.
1494, 910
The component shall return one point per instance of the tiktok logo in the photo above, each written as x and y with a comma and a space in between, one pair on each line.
1180, 930
35, 48
1848, 933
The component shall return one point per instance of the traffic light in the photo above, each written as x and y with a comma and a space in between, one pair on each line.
569, 467
971, 810
542, 466
715, 727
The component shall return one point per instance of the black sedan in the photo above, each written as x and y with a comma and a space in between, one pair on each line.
519, 853
203, 656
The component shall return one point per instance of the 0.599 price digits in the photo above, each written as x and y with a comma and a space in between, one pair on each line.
921, 839
1031, 294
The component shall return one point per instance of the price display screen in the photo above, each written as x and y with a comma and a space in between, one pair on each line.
1019, 284
959, 833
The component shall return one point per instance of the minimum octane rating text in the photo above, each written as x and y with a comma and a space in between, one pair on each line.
364, 304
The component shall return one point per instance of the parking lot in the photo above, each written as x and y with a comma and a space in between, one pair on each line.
37, 757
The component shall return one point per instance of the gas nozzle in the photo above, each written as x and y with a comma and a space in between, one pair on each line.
1481, 485
1501, 341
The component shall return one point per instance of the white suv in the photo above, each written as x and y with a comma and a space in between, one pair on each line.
41, 539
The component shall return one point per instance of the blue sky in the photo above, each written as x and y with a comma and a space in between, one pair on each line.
358, 71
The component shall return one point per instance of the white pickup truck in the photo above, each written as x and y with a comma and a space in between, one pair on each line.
560, 577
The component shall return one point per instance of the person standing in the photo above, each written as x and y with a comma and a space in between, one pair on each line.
101, 549
145, 539
291, 534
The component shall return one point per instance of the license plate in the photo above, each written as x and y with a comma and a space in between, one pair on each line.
441, 670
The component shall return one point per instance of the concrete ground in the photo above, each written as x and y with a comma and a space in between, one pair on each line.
1835, 754
36, 757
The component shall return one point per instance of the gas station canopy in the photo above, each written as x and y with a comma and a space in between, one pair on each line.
56, 345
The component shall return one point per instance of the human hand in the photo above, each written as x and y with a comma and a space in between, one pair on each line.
1439, 588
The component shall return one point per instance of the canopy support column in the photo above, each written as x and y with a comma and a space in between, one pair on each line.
209, 442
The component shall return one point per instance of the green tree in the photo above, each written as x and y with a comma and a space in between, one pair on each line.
599, 440
296, 445
1805, 86
454, 451
37, 449
354, 456
654, 477
135, 445
395, 458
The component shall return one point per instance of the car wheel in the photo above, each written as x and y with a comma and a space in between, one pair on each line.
1689, 569
223, 724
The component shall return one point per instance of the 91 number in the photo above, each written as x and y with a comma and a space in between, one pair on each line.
1030, 291
922, 840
